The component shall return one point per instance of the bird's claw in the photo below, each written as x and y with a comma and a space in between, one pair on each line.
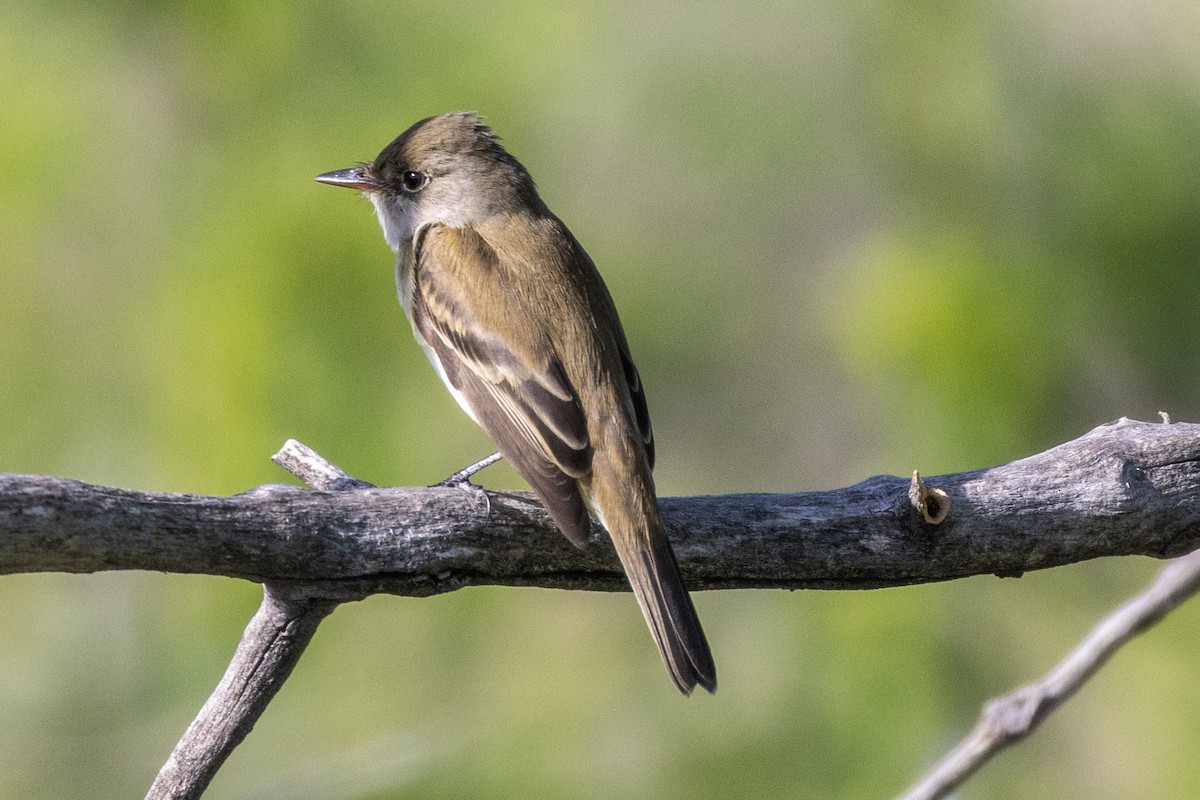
464, 474
462, 479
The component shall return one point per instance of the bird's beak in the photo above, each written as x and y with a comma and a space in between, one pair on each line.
352, 178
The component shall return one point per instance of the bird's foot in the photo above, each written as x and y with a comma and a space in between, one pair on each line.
463, 476
462, 479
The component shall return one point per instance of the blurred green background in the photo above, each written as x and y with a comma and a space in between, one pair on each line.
846, 238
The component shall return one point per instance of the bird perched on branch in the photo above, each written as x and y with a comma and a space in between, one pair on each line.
519, 325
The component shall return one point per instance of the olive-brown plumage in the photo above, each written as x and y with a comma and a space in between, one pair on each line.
518, 323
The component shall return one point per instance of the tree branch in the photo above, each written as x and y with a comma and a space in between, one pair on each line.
1009, 719
270, 647
1121, 489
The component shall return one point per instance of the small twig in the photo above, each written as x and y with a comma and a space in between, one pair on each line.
1009, 719
307, 465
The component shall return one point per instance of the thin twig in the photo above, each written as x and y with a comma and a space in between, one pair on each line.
1007, 720
307, 465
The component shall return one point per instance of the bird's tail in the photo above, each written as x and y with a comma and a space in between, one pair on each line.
631, 516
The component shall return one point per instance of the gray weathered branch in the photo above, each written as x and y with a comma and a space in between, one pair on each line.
1007, 720
270, 647
1121, 489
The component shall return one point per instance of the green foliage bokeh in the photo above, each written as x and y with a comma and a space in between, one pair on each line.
845, 239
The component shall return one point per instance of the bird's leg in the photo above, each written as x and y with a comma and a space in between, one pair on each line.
462, 478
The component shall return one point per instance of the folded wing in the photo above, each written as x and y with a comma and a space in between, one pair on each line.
514, 385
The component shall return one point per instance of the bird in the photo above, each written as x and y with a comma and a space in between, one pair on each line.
515, 318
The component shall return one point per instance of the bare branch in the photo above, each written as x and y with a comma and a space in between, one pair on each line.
1121, 489
1009, 719
271, 645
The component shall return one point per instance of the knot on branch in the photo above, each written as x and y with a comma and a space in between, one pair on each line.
1013, 716
933, 503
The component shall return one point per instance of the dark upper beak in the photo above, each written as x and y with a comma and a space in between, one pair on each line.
352, 178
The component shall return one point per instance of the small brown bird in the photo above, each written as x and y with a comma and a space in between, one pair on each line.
519, 325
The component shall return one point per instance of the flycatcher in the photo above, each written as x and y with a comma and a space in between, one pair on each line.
519, 325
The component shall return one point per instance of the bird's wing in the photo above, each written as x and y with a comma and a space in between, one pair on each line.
515, 386
638, 394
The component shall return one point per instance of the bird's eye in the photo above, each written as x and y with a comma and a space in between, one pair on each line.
413, 181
